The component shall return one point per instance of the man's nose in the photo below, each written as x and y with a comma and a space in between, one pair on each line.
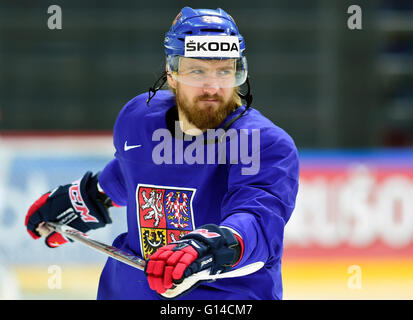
210, 90
211, 86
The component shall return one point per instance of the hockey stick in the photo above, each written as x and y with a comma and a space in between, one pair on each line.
139, 263
104, 248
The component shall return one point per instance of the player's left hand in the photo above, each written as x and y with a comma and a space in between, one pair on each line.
209, 247
79, 204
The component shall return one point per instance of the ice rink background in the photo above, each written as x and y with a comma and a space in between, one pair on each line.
344, 95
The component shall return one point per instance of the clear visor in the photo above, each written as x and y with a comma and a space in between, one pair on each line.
208, 73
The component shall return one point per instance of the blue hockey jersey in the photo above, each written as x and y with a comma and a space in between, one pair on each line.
172, 184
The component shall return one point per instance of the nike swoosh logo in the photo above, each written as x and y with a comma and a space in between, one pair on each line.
126, 147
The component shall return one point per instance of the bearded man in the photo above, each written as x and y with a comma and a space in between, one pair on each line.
213, 215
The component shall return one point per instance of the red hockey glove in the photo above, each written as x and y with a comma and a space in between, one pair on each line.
79, 205
209, 247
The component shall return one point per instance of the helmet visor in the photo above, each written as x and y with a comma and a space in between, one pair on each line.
208, 73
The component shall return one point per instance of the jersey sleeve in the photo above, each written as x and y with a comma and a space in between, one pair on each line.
112, 182
258, 206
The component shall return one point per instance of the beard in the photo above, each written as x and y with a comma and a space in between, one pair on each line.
210, 115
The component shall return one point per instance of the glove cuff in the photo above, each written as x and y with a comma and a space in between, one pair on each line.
95, 199
239, 248
222, 244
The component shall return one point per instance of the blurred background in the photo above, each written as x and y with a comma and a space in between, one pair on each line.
345, 96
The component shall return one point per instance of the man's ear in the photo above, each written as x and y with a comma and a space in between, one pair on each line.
171, 81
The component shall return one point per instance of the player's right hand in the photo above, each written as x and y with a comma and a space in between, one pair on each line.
79, 205
208, 247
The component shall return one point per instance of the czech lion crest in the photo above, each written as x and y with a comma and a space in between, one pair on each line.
164, 215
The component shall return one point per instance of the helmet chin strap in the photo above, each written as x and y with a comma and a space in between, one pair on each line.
248, 99
156, 86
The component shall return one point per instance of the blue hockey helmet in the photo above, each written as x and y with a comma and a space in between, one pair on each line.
205, 34
200, 22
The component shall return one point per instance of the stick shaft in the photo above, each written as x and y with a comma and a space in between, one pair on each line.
104, 248
139, 263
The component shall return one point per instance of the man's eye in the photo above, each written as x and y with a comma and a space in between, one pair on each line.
197, 72
225, 72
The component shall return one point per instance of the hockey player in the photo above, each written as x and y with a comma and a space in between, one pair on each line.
187, 214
